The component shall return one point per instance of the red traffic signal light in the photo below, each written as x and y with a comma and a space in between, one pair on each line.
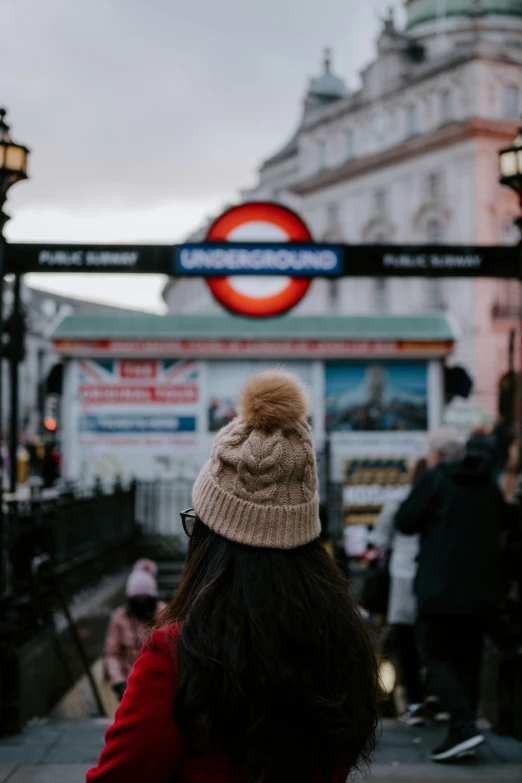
50, 424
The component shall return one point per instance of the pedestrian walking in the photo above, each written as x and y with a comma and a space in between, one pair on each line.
262, 668
458, 509
128, 624
401, 617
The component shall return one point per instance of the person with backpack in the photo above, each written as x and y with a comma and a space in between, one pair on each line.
262, 668
459, 512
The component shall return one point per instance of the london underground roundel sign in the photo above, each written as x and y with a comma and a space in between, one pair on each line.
258, 296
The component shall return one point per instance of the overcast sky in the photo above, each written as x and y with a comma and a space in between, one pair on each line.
144, 116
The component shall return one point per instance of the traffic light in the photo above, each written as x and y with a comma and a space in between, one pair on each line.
457, 383
50, 424
14, 329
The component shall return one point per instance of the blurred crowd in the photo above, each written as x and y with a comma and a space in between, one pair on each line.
446, 558
37, 460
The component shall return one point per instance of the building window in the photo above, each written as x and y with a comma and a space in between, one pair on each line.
511, 101
381, 290
508, 303
435, 285
435, 293
379, 122
435, 232
381, 294
412, 120
380, 203
446, 106
321, 155
434, 186
332, 218
334, 295
350, 144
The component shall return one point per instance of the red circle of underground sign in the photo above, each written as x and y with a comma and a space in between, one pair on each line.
294, 228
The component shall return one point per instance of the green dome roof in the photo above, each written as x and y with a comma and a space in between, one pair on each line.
420, 11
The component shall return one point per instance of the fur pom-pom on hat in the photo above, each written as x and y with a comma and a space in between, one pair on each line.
259, 486
273, 400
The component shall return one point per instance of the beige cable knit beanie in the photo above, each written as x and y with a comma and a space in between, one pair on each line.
260, 485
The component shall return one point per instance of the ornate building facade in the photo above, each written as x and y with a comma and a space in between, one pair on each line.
411, 157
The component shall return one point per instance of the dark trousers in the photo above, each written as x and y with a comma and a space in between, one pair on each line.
409, 661
452, 648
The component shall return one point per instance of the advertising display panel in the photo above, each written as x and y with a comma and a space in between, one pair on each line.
131, 413
376, 395
225, 379
376, 414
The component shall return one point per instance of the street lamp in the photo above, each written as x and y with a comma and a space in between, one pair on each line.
510, 160
13, 168
13, 164
511, 169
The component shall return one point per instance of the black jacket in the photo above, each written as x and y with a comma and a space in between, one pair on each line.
459, 511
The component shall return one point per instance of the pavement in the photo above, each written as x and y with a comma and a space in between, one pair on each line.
61, 751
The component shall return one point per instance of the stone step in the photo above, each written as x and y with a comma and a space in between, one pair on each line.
169, 577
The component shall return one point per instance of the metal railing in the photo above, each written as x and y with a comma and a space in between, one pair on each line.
72, 528
158, 506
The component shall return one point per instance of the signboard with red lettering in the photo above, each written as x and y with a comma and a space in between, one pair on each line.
129, 408
272, 349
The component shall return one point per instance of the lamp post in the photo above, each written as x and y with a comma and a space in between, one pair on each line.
510, 160
13, 169
511, 175
511, 169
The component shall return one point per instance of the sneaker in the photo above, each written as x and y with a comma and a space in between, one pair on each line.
468, 754
442, 717
414, 716
457, 746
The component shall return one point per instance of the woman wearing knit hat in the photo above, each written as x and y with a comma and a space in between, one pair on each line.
128, 624
262, 669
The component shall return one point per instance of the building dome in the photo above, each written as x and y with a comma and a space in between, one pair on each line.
327, 86
421, 11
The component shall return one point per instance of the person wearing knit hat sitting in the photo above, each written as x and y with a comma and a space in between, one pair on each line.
261, 668
128, 624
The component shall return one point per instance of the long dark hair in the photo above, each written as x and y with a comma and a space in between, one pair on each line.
276, 665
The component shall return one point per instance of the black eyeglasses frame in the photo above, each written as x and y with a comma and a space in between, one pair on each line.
188, 518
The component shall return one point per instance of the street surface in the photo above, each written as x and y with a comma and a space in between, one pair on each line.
60, 751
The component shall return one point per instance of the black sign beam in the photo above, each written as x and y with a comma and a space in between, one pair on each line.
144, 259
432, 261
356, 260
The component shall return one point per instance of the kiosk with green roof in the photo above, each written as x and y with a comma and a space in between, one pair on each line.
144, 394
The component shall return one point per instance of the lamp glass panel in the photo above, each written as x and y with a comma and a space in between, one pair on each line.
15, 158
508, 163
2, 155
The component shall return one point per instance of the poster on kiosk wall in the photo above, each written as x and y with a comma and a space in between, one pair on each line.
154, 418
135, 418
376, 413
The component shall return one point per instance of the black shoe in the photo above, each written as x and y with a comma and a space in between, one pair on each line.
457, 745
414, 716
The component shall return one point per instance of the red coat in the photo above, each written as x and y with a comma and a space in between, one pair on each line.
144, 743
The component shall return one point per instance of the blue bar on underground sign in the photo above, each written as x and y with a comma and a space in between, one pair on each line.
273, 259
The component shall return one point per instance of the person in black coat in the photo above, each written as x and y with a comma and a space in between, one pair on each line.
459, 511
